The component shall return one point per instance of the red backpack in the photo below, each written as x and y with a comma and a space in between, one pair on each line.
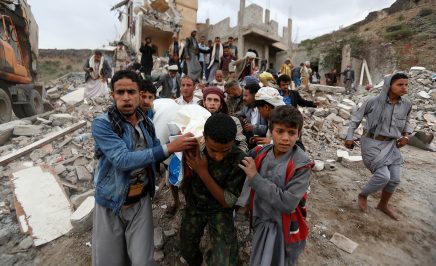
294, 224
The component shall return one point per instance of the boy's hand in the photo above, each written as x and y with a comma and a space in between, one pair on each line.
196, 162
249, 167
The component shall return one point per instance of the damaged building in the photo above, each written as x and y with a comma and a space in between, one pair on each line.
253, 32
157, 19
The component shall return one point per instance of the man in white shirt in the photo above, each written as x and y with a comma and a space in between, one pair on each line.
187, 88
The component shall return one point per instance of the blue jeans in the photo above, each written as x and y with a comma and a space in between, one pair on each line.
297, 81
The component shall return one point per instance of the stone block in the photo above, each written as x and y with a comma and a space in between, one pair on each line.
77, 199
27, 130
345, 107
26, 243
82, 173
61, 119
81, 219
59, 169
344, 114
158, 238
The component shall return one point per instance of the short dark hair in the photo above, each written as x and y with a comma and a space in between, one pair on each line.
283, 78
399, 75
147, 86
226, 46
252, 88
98, 52
230, 38
262, 103
221, 128
126, 74
230, 83
288, 116
188, 77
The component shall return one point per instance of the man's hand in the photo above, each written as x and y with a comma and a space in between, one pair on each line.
196, 162
249, 167
187, 58
182, 143
248, 127
401, 142
349, 144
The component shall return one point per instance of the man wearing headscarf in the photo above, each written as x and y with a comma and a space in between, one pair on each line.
214, 101
191, 56
97, 72
386, 130
244, 66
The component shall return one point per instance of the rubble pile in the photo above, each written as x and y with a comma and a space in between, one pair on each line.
71, 156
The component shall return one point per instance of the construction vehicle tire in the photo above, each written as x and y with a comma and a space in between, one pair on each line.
35, 105
5, 107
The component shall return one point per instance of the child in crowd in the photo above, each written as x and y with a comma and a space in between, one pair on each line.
279, 176
211, 191
148, 95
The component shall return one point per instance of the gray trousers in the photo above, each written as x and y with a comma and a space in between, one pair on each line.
124, 239
385, 178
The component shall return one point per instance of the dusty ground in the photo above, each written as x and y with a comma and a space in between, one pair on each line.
332, 208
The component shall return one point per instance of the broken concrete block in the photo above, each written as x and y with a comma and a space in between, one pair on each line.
81, 219
35, 187
345, 107
158, 255
320, 112
77, 199
319, 166
80, 161
72, 177
430, 117
344, 114
330, 165
59, 169
349, 102
26, 243
74, 96
27, 130
349, 160
333, 111
61, 119
158, 238
424, 95
344, 243
335, 118
7, 129
170, 233
82, 173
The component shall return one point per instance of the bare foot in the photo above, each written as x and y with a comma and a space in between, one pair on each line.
363, 203
388, 211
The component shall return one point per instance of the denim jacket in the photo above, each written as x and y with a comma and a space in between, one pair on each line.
118, 159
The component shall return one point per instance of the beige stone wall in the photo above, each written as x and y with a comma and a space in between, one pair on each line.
188, 9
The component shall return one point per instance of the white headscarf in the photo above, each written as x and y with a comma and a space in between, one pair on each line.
269, 95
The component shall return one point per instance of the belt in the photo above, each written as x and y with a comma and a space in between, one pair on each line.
379, 137
136, 193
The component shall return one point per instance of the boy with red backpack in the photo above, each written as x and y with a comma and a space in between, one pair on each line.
279, 176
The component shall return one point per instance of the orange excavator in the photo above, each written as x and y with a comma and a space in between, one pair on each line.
18, 59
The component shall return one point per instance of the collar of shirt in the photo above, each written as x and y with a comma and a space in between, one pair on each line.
388, 100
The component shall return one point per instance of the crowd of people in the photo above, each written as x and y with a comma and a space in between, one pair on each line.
252, 164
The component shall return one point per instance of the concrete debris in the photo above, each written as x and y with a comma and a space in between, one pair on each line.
319, 166
34, 187
81, 219
59, 169
61, 119
82, 173
424, 95
77, 199
158, 238
27, 130
344, 243
159, 255
26, 243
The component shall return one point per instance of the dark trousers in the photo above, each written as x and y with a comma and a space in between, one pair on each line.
224, 244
